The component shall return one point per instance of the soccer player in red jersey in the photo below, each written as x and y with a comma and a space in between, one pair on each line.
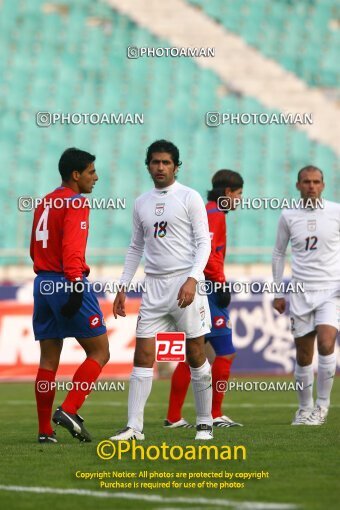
64, 303
226, 183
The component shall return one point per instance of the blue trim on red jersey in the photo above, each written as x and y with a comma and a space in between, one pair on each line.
76, 196
213, 210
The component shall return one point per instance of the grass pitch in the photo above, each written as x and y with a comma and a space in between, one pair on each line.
302, 461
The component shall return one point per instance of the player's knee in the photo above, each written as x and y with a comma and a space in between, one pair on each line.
106, 356
195, 353
304, 358
144, 359
103, 356
100, 354
49, 365
304, 354
326, 348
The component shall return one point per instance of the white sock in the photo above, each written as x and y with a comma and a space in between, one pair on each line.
305, 375
325, 379
139, 391
202, 387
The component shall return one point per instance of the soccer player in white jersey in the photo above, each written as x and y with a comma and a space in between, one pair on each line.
170, 227
314, 233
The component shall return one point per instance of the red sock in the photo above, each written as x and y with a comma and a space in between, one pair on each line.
220, 371
87, 373
179, 386
44, 396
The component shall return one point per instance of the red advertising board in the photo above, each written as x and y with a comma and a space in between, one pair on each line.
19, 352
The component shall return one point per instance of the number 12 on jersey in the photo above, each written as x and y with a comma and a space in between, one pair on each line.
311, 243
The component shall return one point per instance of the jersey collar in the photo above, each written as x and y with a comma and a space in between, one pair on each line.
165, 191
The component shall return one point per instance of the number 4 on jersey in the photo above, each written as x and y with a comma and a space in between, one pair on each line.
41, 232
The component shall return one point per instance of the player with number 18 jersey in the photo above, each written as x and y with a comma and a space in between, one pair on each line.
170, 227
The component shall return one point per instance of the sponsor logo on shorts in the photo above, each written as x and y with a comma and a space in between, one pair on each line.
219, 322
159, 210
83, 225
170, 346
202, 313
95, 321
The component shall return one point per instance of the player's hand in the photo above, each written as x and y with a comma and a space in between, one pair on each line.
279, 304
223, 297
186, 293
75, 300
119, 304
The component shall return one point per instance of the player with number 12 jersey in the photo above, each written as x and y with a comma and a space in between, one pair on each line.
313, 230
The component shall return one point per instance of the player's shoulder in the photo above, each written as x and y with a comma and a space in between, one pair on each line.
143, 197
186, 193
213, 210
332, 207
54, 193
287, 213
63, 192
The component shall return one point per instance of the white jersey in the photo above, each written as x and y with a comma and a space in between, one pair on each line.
170, 226
315, 241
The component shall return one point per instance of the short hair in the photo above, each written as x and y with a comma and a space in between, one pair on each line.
74, 159
309, 168
163, 146
224, 179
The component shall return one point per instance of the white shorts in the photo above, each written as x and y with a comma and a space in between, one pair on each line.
159, 309
314, 307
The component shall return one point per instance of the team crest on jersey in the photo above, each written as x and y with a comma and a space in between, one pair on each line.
311, 225
202, 313
159, 210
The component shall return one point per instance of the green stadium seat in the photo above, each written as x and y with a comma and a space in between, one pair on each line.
263, 23
59, 63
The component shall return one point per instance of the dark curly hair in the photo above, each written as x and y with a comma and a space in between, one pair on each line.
163, 146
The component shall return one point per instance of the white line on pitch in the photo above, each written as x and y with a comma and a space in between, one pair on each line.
151, 404
154, 498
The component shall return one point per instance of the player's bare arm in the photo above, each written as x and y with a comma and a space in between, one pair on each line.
187, 292
119, 305
278, 261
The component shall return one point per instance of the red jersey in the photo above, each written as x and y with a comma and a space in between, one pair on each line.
59, 234
214, 270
